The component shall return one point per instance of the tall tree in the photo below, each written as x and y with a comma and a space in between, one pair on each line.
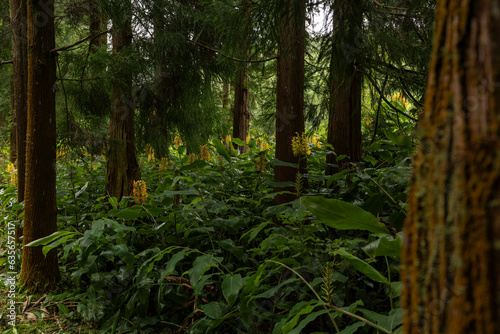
40, 209
344, 125
451, 256
123, 167
290, 91
19, 88
241, 108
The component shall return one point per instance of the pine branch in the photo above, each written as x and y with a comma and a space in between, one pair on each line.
67, 47
232, 58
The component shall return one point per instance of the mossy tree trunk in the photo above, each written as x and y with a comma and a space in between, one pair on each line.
290, 92
19, 90
451, 257
40, 210
344, 126
122, 168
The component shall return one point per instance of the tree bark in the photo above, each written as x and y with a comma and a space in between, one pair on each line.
123, 167
290, 92
241, 108
19, 93
451, 257
40, 210
344, 127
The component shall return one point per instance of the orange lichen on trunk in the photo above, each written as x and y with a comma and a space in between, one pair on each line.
451, 254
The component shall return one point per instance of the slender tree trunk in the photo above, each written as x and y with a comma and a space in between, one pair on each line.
40, 210
226, 94
123, 167
19, 90
241, 109
290, 92
95, 23
344, 127
451, 258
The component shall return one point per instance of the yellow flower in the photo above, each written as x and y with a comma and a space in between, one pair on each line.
164, 164
13, 174
247, 140
264, 146
140, 192
228, 138
401, 99
260, 165
315, 141
177, 141
191, 158
151, 155
204, 153
300, 145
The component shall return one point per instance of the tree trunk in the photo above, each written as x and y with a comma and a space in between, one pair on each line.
123, 167
344, 127
19, 96
226, 94
451, 258
290, 92
241, 109
40, 210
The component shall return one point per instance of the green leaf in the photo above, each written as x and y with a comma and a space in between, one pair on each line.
300, 309
197, 164
352, 328
123, 252
200, 266
214, 310
114, 202
239, 142
82, 189
48, 239
311, 317
384, 247
221, 149
231, 286
363, 267
342, 215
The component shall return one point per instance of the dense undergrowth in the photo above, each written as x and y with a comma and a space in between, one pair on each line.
204, 252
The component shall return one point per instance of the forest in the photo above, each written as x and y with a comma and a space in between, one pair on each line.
250, 166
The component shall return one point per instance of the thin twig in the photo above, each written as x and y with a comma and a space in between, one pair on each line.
91, 37
233, 58
6, 62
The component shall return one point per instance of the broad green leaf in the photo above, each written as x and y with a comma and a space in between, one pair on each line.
123, 252
276, 162
352, 328
197, 164
363, 267
48, 239
239, 142
384, 247
311, 317
179, 192
231, 286
214, 310
221, 149
82, 189
56, 243
342, 215
200, 266
114, 202
303, 308
389, 322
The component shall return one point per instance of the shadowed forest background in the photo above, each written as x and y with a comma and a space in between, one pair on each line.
239, 166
